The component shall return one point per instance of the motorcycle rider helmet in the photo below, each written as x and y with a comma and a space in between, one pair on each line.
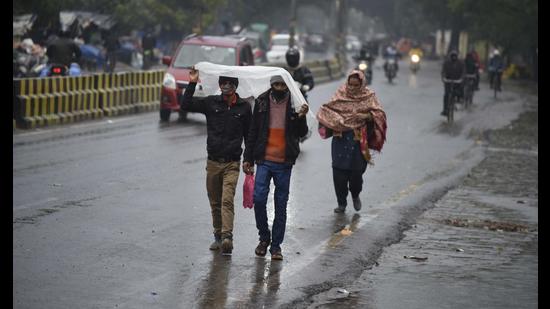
496, 52
293, 57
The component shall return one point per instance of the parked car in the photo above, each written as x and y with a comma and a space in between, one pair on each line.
194, 49
279, 46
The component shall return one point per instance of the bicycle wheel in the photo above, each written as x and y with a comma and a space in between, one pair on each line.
451, 110
468, 95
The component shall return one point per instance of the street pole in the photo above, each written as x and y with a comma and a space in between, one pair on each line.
292, 26
340, 36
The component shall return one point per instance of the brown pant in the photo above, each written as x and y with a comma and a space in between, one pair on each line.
221, 180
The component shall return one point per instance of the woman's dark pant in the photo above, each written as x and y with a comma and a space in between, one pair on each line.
347, 180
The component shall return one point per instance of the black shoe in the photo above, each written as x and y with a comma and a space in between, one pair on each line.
227, 246
357, 203
340, 209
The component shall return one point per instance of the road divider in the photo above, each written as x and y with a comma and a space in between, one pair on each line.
49, 101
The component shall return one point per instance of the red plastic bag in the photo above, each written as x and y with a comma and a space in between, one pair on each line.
248, 191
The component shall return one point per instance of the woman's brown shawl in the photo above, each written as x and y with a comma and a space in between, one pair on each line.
348, 111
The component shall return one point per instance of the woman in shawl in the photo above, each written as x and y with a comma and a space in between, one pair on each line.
356, 122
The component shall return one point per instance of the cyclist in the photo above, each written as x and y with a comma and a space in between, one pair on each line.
453, 69
496, 66
472, 70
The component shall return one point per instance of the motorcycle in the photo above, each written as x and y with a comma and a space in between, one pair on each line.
391, 69
415, 63
20, 65
56, 69
25, 65
365, 67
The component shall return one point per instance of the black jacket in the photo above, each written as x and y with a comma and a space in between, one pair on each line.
63, 51
295, 128
304, 76
453, 69
226, 126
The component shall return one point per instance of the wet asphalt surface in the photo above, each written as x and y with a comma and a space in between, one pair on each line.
114, 213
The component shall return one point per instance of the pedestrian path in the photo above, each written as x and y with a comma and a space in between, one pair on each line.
477, 247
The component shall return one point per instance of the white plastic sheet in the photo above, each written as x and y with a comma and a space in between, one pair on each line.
253, 80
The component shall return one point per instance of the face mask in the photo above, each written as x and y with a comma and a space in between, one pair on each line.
228, 89
279, 94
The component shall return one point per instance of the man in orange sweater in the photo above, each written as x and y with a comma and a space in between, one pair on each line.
273, 144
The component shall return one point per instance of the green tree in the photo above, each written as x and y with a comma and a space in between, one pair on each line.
173, 15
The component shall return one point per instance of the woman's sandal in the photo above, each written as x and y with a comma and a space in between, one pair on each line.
261, 249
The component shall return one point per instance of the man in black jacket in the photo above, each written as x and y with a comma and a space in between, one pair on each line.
63, 50
453, 69
273, 144
227, 121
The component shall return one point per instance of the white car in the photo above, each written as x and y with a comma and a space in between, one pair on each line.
279, 46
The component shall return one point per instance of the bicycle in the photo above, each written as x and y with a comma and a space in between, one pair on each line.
452, 97
497, 82
469, 90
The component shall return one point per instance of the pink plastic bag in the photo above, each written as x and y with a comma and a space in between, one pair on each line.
248, 191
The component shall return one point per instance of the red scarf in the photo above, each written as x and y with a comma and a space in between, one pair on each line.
231, 100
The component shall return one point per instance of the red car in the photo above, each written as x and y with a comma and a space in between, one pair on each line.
194, 49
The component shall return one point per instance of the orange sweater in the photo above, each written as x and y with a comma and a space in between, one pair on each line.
276, 141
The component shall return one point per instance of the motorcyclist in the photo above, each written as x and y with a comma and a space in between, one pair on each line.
63, 50
496, 66
416, 50
391, 53
453, 69
301, 75
365, 55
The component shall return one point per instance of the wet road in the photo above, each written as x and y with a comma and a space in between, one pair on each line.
114, 213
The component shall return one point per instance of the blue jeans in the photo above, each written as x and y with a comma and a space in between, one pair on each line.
280, 172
